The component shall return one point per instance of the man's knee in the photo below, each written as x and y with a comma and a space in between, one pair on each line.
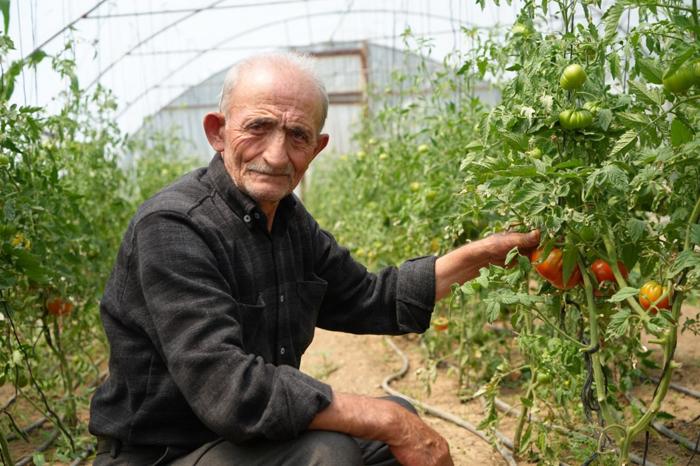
323, 448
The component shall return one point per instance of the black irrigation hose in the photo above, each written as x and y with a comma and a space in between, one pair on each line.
662, 429
25, 460
89, 451
505, 453
677, 387
29, 429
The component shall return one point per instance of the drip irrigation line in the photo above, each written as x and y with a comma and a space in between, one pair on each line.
662, 429
677, 387
29, 429
25, 460
386, 385
88, 451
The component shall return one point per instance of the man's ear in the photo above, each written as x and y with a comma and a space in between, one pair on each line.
214, 123
321, 144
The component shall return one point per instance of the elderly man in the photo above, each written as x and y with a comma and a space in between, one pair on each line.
219, 284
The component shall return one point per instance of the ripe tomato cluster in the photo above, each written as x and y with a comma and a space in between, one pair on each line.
59, 307
551, 268
652, 295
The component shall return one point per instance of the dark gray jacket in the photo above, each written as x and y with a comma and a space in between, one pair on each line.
208, 315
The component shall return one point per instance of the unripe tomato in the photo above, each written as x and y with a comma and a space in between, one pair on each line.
552, 268
519, 28
573, 77
592, 107
650, 292
680, 81
573, 119
603, 272
58, 306
535, 153
440, 323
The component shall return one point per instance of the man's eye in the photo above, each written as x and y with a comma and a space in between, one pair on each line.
257, 126
300, 135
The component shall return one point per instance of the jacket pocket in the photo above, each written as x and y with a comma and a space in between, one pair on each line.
309, 296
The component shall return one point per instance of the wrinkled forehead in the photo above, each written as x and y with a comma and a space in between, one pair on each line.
278, 85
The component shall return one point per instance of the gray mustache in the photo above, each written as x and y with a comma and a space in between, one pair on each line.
267, 170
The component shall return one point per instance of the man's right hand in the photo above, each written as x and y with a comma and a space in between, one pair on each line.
412, 441
417, 443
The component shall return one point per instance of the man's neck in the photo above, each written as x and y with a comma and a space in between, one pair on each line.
269, 209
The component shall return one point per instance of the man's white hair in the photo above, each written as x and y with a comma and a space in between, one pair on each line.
290, 60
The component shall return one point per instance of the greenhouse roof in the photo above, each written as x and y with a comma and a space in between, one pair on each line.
149, 51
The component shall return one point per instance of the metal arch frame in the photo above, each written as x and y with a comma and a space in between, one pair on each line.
216, 46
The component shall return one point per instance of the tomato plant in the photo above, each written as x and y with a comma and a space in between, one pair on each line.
609, 171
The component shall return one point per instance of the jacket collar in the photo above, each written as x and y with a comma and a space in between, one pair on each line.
243, 205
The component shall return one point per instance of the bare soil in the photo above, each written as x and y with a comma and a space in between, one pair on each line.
359, 364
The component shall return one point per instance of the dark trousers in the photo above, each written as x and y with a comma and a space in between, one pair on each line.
313, 448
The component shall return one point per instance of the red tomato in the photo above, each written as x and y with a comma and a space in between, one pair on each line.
59, 307
649, 293
440, 324
552, 268
603, 272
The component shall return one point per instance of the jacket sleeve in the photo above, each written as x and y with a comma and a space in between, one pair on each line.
392, 301
196, 328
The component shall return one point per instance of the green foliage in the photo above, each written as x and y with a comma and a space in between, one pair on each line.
624, 186
65, 201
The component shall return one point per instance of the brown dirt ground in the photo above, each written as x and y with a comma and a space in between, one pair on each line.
359, 364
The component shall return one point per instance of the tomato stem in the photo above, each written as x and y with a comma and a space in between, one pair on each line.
620, 279
605, 409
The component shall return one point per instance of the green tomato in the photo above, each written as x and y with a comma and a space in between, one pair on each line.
573, 119
591, 106
535, 153
681, 80
518, 29
573, 77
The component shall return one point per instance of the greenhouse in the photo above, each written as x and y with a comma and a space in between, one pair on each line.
350, 232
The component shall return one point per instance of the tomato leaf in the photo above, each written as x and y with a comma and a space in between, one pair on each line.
611, 19
635, 229
646, 94
627, 140
695, 233
623, 294
5, 8
680, 133
619, 323
650, 70
685, 260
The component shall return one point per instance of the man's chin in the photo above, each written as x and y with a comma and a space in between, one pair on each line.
263, 194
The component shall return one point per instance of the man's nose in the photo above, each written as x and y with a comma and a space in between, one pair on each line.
276, 150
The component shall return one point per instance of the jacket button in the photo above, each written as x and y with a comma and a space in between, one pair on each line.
282, 350
246, 218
